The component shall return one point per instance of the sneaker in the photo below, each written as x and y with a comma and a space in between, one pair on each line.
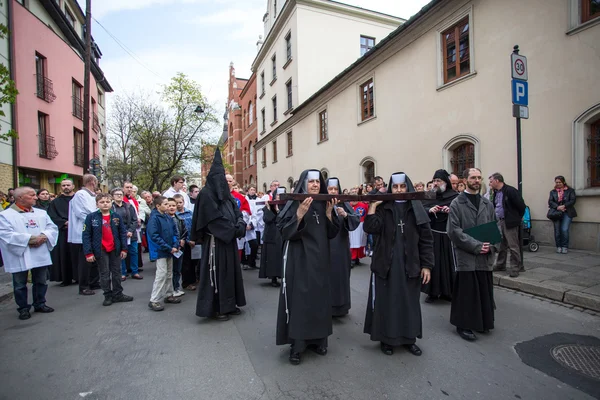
123, 298
565, 250
24, 314
178, 293
155, 306
559, 250
172, 300
107, 301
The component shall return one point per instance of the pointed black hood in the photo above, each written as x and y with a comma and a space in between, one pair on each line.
215, 181
420, 213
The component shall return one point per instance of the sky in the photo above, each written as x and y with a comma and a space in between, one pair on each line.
146, 42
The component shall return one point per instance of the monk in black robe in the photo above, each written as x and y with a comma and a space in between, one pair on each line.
402, 259
304, 315
341, 258
442, 275
63, 269
271, 257
216, 224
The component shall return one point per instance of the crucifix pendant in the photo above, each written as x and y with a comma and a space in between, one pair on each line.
401, 225
316, 217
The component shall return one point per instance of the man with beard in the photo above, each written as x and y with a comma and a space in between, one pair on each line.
442, 275
341, 259
473, 297
216, 223
63, 269
304, 315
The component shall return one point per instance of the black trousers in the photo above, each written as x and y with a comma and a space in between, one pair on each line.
251, 258
189, 274
109, 267
89, 276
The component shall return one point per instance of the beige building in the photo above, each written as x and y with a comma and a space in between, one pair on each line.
436, 93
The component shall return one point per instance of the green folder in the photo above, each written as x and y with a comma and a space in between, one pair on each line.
485, 233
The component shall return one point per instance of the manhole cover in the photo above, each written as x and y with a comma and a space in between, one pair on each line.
583, 359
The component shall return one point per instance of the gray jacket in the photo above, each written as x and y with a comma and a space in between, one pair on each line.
464, 215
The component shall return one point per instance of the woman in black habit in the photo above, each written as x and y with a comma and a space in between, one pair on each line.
402, 259
216, 223
271, 258
304, 314
341, 259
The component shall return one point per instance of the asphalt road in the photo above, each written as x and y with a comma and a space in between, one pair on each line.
126, 351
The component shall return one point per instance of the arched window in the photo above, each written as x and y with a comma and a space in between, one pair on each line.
251, 151
367, 170
245, 157
251, 180
586, 153
250, 113
290, 182
264, 187
460, 153
244, 120
325, 174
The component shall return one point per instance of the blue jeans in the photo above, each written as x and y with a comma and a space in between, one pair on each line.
177, 264
132, 256
369, 242
39, 286
561, 231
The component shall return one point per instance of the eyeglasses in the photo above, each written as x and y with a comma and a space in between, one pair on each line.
117, 194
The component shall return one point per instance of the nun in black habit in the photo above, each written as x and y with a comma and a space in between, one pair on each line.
304, 314
271, 257
216, 224
443, 274
341, 259
402, 259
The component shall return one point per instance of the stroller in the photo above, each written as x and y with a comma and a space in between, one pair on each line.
528, 238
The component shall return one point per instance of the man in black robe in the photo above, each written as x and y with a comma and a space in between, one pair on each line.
271, 257
442, 275
62, 270
304, 315
473, 298
402, 259
341, 259
216, 224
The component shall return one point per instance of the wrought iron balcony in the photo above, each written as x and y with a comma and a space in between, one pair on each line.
47, 148
78, 159
77, 107
95, 122
45, 89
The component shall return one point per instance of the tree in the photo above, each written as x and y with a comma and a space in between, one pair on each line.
8, 89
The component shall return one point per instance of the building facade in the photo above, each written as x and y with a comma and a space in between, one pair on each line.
249, 132
436, 93
49, 73
7, 172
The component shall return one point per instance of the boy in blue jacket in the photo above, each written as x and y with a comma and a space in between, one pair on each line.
163, 242
104, 239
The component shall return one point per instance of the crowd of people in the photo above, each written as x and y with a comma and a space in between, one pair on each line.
201, 240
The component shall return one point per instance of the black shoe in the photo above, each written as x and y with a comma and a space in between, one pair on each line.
64, 284
24, 314
466, 334
522, 268
237, 311
294, 358
44, 309
387, 349
107, 301
221, 317
122, 298
86, 292
514, 274
484, 331
430, 299
414, 349
274, 283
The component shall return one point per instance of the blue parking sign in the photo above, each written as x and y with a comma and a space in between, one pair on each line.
520, 92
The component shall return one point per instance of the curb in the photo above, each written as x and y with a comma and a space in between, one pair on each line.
6, 291
549, 291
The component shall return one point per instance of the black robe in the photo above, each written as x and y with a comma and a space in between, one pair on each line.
271, 257
393, 309
341, 260
443, 274
62, 269
306, 290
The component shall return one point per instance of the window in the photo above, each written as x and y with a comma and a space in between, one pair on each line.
367, 106
274, 151
368, 169
264, 157
274, 109
245, 119
325, 174
250, 113
590, 9
251, 147
262, 83
594, 151
463, 157
77, 100
453, 37
290, 183
274, 60
44, 87
101, 99
42, 135
263, 120
290, 144
70, 17
323, 126
288, 89
366, 44
94, 151
78, 147
288, 46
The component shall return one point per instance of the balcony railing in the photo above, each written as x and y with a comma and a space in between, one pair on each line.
45, 89
77, 108
78, 159
47, 148
95, 122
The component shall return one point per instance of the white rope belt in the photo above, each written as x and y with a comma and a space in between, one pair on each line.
212, 264
283, 283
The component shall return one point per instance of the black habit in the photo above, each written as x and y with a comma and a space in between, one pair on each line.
304, 315
403, 244
63, 269
271, 257
216, 224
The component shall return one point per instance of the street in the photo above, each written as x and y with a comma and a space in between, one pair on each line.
126, 351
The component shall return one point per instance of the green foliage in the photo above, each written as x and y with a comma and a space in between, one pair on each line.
8, 89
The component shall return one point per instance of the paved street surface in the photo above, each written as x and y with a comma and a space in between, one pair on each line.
126, 351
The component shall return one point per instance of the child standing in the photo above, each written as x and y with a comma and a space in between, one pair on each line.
188, 265
104, 238
182, 235
162, 243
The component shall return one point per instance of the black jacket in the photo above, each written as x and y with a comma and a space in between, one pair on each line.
128, 217
568, 200
513, 204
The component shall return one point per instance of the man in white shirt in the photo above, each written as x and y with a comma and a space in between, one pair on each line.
177, 183
83, 203
27, 235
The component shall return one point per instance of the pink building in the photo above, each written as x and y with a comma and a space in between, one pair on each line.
47, 38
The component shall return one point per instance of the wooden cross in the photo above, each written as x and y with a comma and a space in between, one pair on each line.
316, 217
401, 225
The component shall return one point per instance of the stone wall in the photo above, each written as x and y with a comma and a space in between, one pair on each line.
6, 177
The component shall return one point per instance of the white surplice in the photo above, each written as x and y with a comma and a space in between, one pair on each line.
82, 204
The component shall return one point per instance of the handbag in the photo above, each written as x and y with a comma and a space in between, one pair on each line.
554, 214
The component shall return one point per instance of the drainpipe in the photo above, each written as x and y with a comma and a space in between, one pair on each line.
13, 108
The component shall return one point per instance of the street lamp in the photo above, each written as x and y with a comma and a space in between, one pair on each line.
199, 110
